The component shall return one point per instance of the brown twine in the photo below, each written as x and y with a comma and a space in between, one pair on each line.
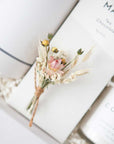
38, 92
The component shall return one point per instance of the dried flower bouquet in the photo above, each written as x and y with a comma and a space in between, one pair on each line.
52, 67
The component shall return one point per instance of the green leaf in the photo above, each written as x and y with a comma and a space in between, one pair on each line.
50, 36
80, 52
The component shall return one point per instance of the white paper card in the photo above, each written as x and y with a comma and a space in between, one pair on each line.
97, 17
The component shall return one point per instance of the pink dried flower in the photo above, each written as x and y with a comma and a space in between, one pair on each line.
55, 64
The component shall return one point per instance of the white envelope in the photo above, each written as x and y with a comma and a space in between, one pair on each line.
22, 24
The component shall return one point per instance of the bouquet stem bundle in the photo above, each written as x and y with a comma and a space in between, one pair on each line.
52, 67
38, 93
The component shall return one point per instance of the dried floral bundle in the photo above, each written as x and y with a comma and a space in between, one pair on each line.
53, 67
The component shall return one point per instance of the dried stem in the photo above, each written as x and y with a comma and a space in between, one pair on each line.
34, 112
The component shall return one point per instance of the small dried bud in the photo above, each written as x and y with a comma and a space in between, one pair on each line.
45, 43
80, 52
55, 50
